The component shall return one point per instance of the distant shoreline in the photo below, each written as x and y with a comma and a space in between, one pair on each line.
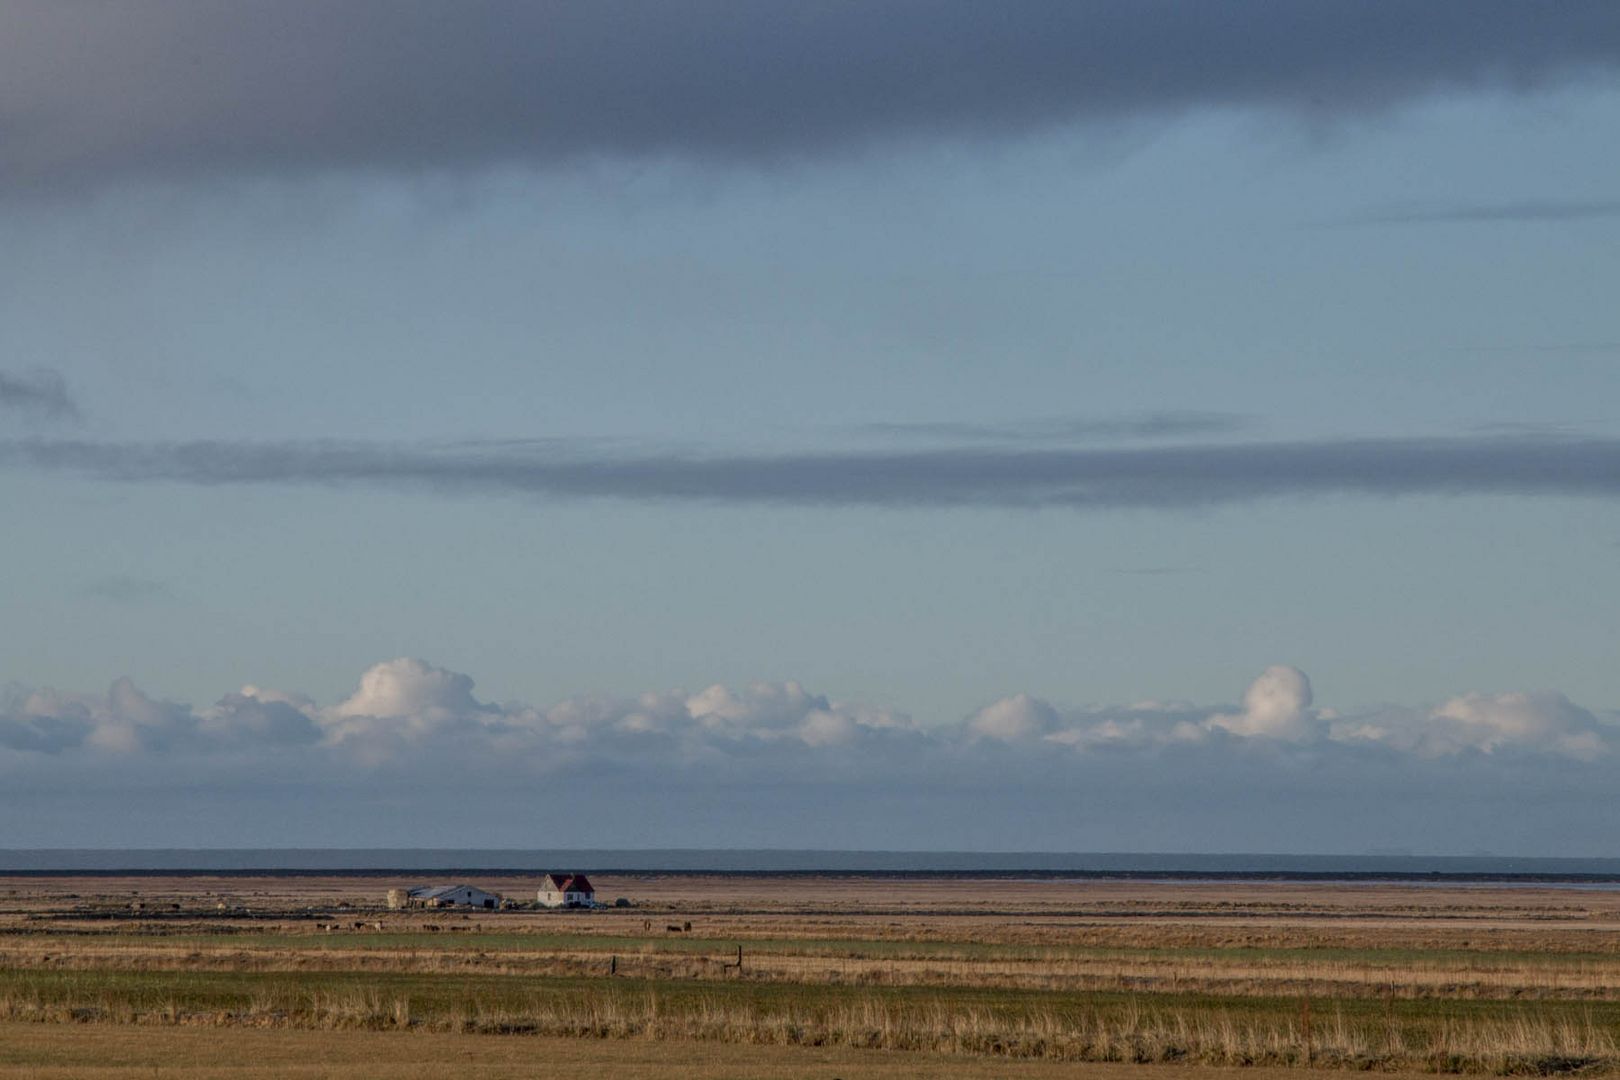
1045, 866
1191, 876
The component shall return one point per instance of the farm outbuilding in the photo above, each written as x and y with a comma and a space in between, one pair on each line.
567, 890
434, 896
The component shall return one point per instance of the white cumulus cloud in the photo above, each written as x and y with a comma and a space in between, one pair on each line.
1537, 723
1014, 719
410, 714
1277, 705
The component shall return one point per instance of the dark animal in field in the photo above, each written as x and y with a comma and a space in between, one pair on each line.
672, 929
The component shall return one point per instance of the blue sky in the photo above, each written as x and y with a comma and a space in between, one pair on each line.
1107, 357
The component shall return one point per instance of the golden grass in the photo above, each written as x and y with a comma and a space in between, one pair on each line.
1127, 1029
1284, 976
1324, 980
33, 1052
1453, 974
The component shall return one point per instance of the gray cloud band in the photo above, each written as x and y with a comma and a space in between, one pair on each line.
1539, 211
1102, 478
37, 393
96, 91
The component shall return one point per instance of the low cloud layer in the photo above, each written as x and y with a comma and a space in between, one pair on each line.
408, 711
415, 757
1278, 710
1171, 476
92, 92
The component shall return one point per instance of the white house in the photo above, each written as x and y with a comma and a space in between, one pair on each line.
567, 890
451, 896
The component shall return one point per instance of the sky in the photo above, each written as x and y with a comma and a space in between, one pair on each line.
1087, 426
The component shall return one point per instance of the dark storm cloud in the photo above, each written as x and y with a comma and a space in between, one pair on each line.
1182, 475
36, 393
96, 90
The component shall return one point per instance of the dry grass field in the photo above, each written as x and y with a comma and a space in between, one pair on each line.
48, 1052
837, 976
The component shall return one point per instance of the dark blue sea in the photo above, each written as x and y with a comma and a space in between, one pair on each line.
945, 863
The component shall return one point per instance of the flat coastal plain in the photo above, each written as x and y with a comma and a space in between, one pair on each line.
799, 975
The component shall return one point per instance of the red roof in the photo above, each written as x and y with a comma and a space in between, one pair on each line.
569, 883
